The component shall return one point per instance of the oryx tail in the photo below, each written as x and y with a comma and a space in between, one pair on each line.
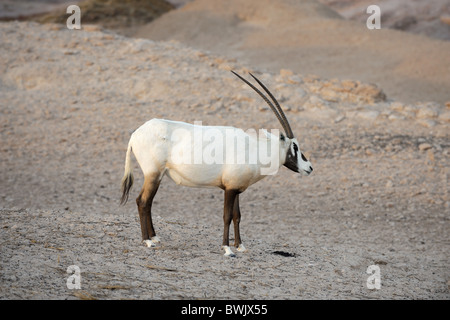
127, 180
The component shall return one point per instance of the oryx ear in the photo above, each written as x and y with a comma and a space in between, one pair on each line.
282, 137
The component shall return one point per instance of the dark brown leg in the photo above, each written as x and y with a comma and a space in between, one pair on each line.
236, 221
230, 196
144, 202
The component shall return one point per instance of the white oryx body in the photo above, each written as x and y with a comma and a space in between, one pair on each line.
209, 156
191, 155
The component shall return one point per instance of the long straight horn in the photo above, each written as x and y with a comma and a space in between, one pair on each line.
277, 110
288, 129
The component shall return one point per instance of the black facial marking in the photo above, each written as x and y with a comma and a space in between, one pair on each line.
282, 138
303, 158
291, 159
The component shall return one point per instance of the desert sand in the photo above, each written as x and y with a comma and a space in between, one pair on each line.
378, 195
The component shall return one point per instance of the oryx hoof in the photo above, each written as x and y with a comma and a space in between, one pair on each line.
156, 239
151, 243
241, 248
228, 252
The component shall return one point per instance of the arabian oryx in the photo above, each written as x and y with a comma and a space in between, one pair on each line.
164, 147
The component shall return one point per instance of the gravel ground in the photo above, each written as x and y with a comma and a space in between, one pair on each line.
69, 101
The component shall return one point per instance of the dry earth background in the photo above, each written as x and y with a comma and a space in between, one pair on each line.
378, 194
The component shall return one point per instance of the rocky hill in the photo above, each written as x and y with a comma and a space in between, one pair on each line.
311, 38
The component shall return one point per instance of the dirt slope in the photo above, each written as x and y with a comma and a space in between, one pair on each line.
309, 38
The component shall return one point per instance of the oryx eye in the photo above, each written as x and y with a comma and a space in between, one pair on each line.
295, 147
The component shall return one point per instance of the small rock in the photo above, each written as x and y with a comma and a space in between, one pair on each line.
426, 112
389, 184
329, 95
348, 85
286, 73
395, 116
411, 108
294, 80
314, 102
445, 116
427, 123
234, 107
339, 118
409, 114
11, 278
369, 115
437, 147
398, 106
425, 146
370, 93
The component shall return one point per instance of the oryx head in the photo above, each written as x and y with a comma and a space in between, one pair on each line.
295, 160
